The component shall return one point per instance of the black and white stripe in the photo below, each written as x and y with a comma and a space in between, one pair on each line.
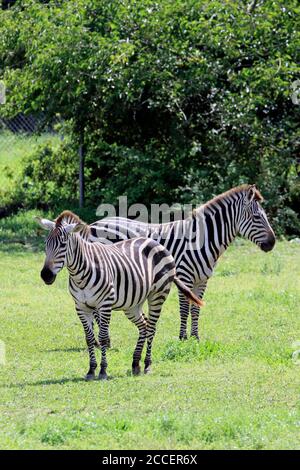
198, 241
105, 278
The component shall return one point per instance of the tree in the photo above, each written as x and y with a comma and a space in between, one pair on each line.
173, 99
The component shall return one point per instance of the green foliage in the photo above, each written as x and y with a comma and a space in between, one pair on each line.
176, 100
148, 176
15, 151
50, 178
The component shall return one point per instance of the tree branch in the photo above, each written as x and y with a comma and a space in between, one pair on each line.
251, 7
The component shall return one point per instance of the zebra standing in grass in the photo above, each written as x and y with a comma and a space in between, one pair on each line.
115, 277
198, 241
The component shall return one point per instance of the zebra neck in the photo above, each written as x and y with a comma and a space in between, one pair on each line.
218, 224
77, 258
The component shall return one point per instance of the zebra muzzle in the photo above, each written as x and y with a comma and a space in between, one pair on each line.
47, 276
268, 244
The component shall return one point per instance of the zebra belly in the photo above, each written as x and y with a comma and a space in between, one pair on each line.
133, 269
131, 298
91, 298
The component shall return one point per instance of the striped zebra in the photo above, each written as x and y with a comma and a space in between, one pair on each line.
103, 278
198, 241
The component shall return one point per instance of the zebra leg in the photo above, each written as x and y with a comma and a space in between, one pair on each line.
195, 310
155, 305
87, 319
97, 343
137, 317
184, 307
103, 366
104, 315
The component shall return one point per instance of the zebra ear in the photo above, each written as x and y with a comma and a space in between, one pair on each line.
45, 223
252, 192
78, 227
74, 228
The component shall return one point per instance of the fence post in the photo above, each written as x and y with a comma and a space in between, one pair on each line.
2, 92
81, 173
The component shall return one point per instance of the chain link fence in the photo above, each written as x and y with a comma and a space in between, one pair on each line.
21, 129
21, 124
21, 134
20, 137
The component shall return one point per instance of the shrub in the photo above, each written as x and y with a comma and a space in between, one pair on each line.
49, 178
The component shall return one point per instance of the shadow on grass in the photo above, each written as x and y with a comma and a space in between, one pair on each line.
20, 246
69, 380
62, 381
112, 349
63, 350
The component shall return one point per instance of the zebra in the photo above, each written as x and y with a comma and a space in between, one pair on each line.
103, 278
198, 241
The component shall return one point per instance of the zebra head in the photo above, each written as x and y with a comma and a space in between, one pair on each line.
56, 247
254, 223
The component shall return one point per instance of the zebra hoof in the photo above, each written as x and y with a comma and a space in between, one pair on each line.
89, 377
196, 337
183, 338
102, 376
147, 370
136, 370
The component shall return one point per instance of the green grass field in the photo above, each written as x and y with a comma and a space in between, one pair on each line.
237, 389
13, 149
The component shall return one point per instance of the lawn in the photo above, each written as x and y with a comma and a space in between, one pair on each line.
13, 149
237, 389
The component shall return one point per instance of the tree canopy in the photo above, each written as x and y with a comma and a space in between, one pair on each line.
177, 100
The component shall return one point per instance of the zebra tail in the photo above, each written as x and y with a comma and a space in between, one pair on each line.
188, 293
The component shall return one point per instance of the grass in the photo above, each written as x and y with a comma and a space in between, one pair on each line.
13, 149
237, 389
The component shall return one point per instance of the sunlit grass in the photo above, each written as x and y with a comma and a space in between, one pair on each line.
238, 388
13, 149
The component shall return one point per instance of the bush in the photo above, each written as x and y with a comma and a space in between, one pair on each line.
147, 177
49, 178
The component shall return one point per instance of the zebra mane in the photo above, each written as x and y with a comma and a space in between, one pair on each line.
67, 217
237, 190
